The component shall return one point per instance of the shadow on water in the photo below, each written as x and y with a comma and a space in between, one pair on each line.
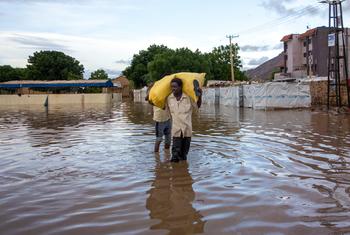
171, 197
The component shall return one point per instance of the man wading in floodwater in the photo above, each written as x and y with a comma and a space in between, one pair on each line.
180, 107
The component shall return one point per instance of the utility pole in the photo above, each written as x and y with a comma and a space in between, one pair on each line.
336, 54
231, 56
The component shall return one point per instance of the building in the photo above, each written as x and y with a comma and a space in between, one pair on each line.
292, 54
125, 86
306, 54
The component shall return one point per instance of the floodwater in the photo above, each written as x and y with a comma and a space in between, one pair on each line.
91, 170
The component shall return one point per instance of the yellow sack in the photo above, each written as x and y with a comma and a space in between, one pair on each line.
162, 89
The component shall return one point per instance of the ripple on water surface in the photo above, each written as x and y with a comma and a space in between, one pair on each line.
91, 170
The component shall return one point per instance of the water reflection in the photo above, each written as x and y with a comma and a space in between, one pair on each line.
58, 123
80, 170
57, 116
171, 197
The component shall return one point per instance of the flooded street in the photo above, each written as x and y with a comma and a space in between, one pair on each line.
91, 170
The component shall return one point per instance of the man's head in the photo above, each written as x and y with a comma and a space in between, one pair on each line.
176, 86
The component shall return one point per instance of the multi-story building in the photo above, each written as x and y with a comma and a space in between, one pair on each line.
306, 54
292, 53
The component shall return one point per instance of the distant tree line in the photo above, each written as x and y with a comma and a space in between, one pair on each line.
147, 66
158, 60
49, 65
45, 65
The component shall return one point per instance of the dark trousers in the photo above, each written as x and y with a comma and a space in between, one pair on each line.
180, 148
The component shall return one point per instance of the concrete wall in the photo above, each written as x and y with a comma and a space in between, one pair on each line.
22, 100
66, 99
52, 99
140, 95
116, 97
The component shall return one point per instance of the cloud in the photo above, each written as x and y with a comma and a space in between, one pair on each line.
346, 6
253, 48
280, 7
112, 73
259, 61
121, 61
39, 43
278, 46
116, 4
44, 1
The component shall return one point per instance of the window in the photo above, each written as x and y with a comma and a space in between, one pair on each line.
305, 54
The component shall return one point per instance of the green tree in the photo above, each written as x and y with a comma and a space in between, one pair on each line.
220, 64
99, 74
179, 60
157, 61
53, 65
137, 71
8, 73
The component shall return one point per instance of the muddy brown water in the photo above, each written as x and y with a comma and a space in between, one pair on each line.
91, 170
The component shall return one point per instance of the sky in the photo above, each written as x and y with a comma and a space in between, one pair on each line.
105, 34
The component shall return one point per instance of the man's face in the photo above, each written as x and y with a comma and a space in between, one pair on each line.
175, 88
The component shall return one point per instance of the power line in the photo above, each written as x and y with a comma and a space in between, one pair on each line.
282, 20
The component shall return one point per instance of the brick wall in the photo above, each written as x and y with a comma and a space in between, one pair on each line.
318, 90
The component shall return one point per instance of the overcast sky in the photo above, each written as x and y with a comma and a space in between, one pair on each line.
106, 33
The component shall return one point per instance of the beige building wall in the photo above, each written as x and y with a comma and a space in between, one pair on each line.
65, 99
294, 52
53, 99
22, 100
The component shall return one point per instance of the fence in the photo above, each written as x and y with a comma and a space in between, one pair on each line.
256, 96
